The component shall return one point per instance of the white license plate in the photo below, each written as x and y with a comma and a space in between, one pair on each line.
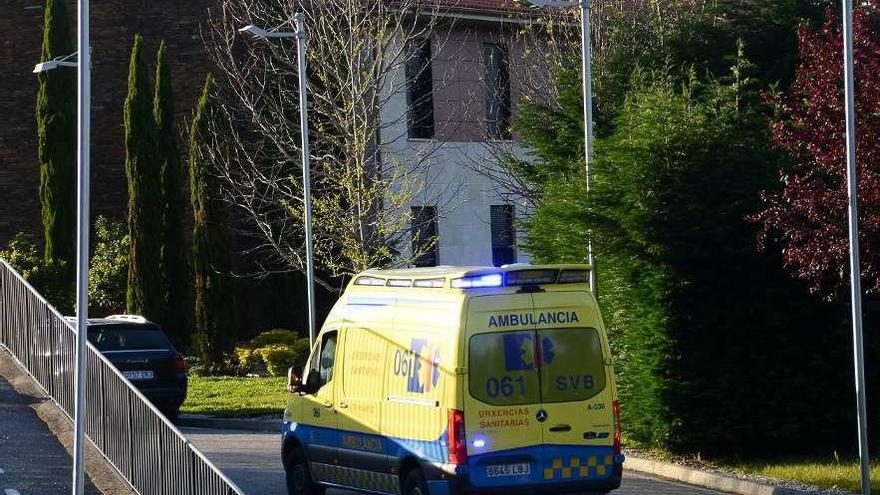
519, 469
138, 375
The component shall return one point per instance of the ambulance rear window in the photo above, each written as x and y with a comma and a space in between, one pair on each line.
529, 367
573, 365
503, 370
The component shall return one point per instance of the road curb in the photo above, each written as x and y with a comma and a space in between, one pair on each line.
199, 421
705, 479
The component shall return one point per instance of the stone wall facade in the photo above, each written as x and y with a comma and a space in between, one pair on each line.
113, 26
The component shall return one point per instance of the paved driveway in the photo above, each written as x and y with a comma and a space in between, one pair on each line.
253, 461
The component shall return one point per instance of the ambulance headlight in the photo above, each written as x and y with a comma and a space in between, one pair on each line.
490, 280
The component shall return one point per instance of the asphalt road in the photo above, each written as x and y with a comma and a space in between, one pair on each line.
253, 461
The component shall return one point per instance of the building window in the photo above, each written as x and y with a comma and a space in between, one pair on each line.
420, 90
424, 236
503, 235
498, 103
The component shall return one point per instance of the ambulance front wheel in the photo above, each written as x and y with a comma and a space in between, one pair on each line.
299, 478
415, 483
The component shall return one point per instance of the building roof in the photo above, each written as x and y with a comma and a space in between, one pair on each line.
491, 5
482, 6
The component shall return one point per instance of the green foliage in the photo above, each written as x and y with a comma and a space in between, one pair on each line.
177, 296
46, 276
249, 361
701, 324
273, 352
215, 316
278, 358
108, 273
278, 336
56, 138
144, 294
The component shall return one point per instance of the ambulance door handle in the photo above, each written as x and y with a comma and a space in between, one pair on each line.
328, 404
343, 405
560, 428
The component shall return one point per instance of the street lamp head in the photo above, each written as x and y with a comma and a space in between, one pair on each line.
64, 61
255, 31
45, 66
261, 33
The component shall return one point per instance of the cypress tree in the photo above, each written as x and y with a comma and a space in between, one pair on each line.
145, 287
174, 261
56, 126
215, 316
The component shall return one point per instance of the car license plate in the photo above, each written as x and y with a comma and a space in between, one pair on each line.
519, 469
138, 375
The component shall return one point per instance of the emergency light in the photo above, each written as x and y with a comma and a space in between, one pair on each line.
505, 277
491, 280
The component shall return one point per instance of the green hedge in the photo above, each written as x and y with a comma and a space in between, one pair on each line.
718, 350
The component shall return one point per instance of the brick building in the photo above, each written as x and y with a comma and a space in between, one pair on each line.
113, 26
478, 231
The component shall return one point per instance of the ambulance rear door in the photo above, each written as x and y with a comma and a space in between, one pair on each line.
502, 392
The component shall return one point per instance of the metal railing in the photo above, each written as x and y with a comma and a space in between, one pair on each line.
149, 452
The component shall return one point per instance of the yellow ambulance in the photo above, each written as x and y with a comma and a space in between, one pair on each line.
457, 380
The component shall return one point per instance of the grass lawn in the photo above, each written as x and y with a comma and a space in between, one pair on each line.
827, 474
238, 397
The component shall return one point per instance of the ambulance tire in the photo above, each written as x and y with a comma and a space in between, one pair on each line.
299, 478
415, 483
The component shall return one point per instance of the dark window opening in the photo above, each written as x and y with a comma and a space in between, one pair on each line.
503, 234
498, 103
424, 236
420, 91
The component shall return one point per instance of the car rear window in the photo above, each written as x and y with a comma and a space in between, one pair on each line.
128, 338
503, 369
512, 368
573, 368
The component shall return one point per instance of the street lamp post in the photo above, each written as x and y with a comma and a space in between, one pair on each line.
84, 105
300, 35
855, 266
587, 71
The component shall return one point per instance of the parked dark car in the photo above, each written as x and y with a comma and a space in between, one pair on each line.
142, 352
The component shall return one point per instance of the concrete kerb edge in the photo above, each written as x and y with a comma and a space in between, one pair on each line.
705, 479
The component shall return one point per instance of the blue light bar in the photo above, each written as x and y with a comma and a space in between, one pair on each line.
479, 281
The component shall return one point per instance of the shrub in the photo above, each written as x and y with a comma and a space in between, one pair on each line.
48, 277
108, 273
272, 358
275, 337
249, 361
278, 358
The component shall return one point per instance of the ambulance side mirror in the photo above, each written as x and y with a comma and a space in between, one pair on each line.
313, 382
294, 381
